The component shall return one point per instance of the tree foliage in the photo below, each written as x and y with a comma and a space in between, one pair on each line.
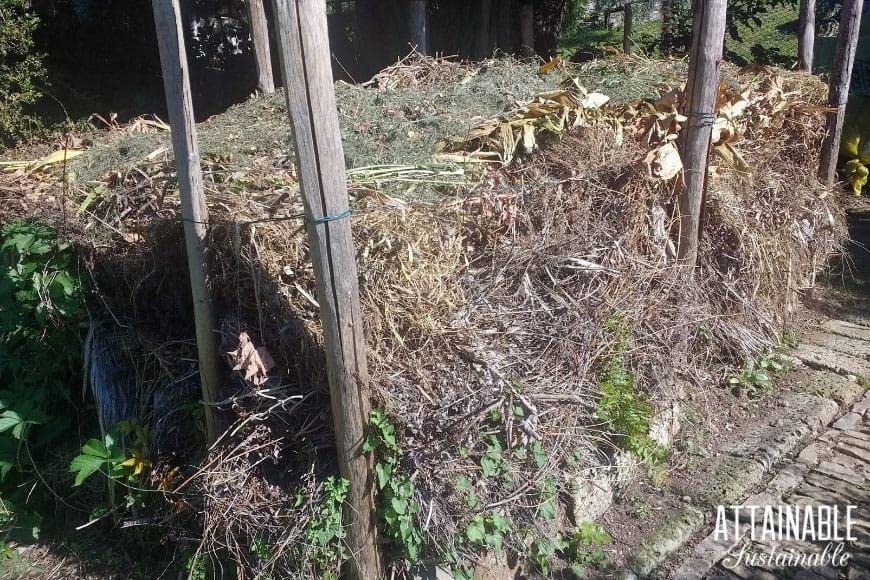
749, 13
21, 70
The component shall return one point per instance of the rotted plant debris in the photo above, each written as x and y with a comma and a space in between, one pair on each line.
498, 315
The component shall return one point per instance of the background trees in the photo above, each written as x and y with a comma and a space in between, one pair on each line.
101, 56
21, 69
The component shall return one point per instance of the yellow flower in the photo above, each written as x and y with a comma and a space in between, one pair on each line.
856, 173
137, 463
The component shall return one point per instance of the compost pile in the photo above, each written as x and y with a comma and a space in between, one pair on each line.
493, 310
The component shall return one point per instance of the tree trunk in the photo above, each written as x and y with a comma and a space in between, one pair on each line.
806, 34
482, 47
838, 91
310, 91
505, 26
381, 34
708, 38
262, 53
419, 25
627, 23
527, 30
173, 60
667, 39
549, 18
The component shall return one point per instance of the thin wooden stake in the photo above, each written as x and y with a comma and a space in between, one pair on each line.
262, 52
305, 68
806, 34
708, 37
627, 26
838, 88
173, 60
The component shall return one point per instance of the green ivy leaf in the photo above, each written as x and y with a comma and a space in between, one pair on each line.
538, 455
370, 443
547, 510
400, 505
495, 540
384, 471
501, 523
476, 531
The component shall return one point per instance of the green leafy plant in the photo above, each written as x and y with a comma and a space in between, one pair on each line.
110, 456
458, 567
544, 550
97, 455
463, 485
583, 547
195, 565
21, 70
641, 510
260, 548
488, 531
14, 565
547, 492
538, 455
625, 412
41, 303
326, 531
493, 462
754, 378
397, 507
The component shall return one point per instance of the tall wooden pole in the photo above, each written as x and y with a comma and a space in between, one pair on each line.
176, 82
708, 37
806, 34
627, 25
838, 88
262, 52
307, 75
419, 25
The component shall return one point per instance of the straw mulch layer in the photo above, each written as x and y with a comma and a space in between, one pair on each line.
490, 315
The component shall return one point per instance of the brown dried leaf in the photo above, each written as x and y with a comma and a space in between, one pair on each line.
255, 362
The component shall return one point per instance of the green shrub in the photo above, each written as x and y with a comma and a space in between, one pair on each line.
626, 412
41, 302
21, 71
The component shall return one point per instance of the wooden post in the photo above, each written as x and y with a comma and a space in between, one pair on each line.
708, 37
305, 68
806, 34
838, 88
419, 24
627, 24
527, 30
176, 82
260, 38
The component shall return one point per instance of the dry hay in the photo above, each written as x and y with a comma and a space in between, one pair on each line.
487, 315
419, 70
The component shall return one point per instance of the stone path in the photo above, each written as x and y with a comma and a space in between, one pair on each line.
832, 471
